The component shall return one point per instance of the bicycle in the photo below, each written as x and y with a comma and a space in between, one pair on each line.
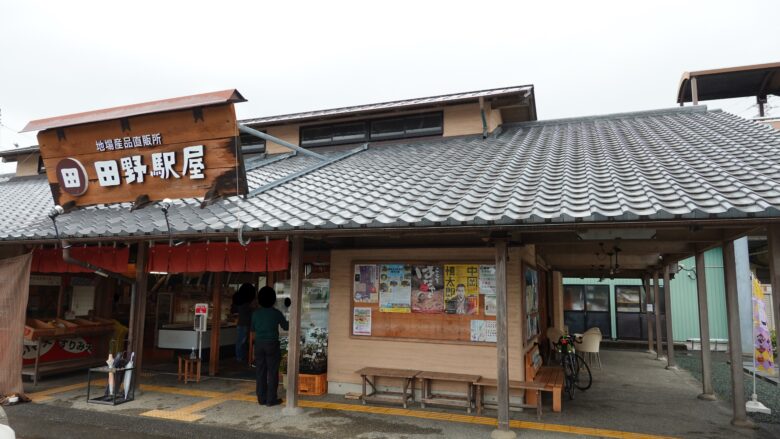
575, 370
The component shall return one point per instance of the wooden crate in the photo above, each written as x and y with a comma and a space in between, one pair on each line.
312, 385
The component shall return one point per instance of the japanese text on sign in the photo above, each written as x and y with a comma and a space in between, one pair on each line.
163, 166
128, 142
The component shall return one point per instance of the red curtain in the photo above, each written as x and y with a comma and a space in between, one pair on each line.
49, 260
220, 256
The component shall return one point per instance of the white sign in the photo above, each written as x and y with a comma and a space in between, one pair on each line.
361, 321
128, 142
163, 166
483, 331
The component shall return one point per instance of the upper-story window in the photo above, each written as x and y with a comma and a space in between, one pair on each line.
415, 125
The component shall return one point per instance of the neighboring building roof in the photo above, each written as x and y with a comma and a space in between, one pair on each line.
5, 177
180, 103
392, 105
686, 163
11, 155
731, 82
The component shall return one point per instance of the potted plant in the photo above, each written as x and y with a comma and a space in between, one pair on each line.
314, 352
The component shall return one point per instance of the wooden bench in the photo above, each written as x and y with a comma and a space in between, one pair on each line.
551, 377
369, 375
428, 397
537, 388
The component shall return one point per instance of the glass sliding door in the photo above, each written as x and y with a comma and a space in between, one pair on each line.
585, 307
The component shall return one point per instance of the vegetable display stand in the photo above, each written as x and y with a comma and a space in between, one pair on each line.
120, 381
312, 385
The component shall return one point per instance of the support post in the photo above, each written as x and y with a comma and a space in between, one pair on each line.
216, 321
739, 418
704, 330
694, 91
670, 363
773, 238
659, 348
502, 343
646, 287
293, 347
138, 310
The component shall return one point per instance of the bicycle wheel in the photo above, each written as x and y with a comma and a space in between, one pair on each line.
583, 379
569, 375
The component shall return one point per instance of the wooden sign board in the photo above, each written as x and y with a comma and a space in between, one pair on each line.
185, 153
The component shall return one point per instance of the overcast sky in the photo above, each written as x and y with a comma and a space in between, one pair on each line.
583, 57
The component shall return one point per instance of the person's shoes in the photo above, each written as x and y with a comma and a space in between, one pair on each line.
273, 403
260, 401
253, 363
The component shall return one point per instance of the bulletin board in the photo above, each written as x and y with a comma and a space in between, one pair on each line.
439, 301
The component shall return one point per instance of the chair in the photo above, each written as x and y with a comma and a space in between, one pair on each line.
594, 330
553, 335
591, 341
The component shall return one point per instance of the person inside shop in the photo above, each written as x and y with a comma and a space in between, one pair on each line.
242, 305
266, 321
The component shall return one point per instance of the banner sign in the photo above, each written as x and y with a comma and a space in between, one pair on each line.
188, 151
763, 356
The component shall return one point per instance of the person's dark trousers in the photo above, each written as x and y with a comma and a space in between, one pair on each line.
267, 356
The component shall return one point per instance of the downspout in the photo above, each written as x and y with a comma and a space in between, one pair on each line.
94, 268
484, 117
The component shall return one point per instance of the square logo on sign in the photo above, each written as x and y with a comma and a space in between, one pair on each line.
70, 177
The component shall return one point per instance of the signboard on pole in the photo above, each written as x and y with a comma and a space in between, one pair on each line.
177, 148
201, 316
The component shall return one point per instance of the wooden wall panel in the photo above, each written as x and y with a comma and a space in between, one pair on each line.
346, 353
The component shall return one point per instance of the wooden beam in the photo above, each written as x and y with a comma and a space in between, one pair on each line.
773, 239
502, 335
648, 317
704, 329
739, 413
293, 347
659, 349
138, 310
670, 362
216, 321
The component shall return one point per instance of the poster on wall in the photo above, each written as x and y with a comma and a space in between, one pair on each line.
531, 290
366, 283
361, 321
483, 330
490, 305
487, 280
427, 289
314, 304
461, 289
395, 288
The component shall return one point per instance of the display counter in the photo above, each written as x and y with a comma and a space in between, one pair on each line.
183, 336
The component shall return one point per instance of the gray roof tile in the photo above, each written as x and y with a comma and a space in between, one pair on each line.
688, 162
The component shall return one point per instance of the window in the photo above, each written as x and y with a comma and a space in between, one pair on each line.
416, 125
251, 144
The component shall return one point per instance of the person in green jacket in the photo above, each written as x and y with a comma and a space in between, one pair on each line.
266, 321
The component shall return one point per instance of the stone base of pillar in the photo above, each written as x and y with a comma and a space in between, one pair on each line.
292, 411
746, 423
503, 434
672, 368
707, 397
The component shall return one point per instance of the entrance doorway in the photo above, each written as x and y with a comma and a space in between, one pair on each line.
585, 307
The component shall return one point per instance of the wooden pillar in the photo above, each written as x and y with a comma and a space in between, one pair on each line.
659, 348
704, 329
648, 316
216, 321
138, 308
293, 347
557, 292
64, 283
739, 417
502, 341
773, 238
670, 363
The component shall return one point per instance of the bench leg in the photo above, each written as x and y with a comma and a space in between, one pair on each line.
470, 398
557, 400
411, 395
363, 396
406, 387
425, 392
480, 400
539, 405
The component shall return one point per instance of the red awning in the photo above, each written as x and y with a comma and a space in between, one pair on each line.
49, 260
220, 256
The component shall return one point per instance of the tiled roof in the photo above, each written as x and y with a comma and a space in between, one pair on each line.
679, 163
392, 105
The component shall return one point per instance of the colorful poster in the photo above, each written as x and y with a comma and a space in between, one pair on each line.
427, 289
483, 331
763, 356
395, 288
490, 305
531, 290
366, 283
461, 289
487, 280
361, 321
